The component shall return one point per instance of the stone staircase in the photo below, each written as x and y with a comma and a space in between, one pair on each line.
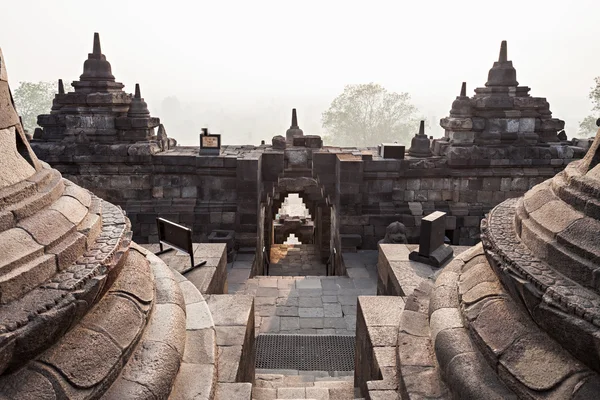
306, 386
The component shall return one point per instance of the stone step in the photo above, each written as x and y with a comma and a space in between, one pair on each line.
86, 360
25, 277
197, 377
36, 320
462, 366
417, 367
20, 191
272, 386
164, 338
504, 336
48, 190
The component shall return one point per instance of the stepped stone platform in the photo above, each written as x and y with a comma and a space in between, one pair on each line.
514, 317
85, 313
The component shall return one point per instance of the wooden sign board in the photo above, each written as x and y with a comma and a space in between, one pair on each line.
176, 237
210, 143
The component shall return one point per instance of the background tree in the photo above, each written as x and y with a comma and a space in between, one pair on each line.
588, 127
33, 99
367, 115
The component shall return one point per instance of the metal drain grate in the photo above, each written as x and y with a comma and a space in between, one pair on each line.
305, 352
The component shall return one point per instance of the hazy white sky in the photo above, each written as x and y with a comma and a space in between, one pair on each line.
236, 55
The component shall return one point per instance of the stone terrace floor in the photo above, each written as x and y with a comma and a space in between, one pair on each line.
295, 260
306, 304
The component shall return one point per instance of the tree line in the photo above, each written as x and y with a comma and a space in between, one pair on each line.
362, 115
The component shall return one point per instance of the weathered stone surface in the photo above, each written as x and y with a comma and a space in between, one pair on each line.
444, 318
119, 317
136, 278
27, 385
72, 209
16, 168
200, 346
194, 381
528, 360
153, 365
469, 377
84, 357
198, 316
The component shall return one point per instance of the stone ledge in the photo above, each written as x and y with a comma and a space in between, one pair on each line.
41, 316
552, 299
86, 360
156, 360
511, 343
464, 370
234, 325
377, 321
197, 376
417, 369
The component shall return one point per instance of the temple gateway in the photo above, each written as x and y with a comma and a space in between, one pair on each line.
461, 267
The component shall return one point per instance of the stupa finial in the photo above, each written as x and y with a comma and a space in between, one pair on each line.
463, 89
294, 118
422, 128
97, 49
503, 57
137, 91
61, 87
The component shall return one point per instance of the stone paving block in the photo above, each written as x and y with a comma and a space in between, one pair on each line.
310, 312
287, 311
289, 323
333, 310
238, 390
317, 393
267, 292
350, 322
288, 301
265, 310
334, 323
310, 293
329, 299
269, 324
262, 301
315, 323
310, 302
308, 284
349, 310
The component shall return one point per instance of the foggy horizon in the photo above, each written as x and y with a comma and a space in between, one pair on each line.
239, 68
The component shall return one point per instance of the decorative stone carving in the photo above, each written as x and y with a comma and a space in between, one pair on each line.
395, 233
278, 142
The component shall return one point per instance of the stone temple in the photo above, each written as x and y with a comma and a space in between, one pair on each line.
306, 289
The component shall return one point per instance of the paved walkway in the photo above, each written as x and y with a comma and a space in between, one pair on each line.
307, 304
295, 260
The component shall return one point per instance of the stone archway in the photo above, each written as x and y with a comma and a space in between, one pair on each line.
312, 195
